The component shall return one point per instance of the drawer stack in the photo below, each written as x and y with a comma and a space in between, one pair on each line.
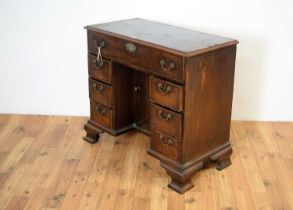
166, 118
100, 91
110, 91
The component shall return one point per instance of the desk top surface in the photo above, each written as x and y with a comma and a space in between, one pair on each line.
164, 35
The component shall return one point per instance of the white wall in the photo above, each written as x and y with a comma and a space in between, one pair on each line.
43, 67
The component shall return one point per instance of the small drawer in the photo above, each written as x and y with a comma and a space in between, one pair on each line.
165, 145
137, 55
167, 121
167, 94
101, 115
100, 71
100, 92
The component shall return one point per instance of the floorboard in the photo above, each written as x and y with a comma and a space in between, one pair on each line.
45, 164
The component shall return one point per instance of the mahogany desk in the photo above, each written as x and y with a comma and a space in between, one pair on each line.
173, 84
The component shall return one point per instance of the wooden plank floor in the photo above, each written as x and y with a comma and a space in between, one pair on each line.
45, 164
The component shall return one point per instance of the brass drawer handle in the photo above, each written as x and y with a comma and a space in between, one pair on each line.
99, 88
165, 89
130, 47
101, 110
164, 115
99, 45
98, 63
169, 68
163, 141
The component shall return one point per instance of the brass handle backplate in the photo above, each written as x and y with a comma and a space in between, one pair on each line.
99, 88
99, 45
165, 89
98, 63
130, 47
167, 141
164, 115
101, 110
163, 64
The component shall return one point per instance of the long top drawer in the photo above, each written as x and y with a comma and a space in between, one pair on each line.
137, 55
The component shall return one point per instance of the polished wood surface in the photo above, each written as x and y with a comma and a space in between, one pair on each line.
101, 92
166, 120
208, 106
102, 114
123, 93
144, 58
44, 165
166, 145
141, 101
167, 94
103, 72
164, 35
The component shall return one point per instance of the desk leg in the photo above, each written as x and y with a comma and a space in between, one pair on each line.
222, 158
181, 180
92, 133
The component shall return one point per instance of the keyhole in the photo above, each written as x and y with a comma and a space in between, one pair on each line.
136, 90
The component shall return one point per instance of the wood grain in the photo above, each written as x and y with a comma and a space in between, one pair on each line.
103, 73
144, 58
179, 40
101, 114
167, 94
100, 92
46, 165
166, 120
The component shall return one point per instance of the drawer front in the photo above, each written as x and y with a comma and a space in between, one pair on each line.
100, 71
167, 94
100, 92
165, 145
167, 121
101, 115
159, 62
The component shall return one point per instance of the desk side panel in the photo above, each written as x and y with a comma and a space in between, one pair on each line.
208, 103
123, 97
